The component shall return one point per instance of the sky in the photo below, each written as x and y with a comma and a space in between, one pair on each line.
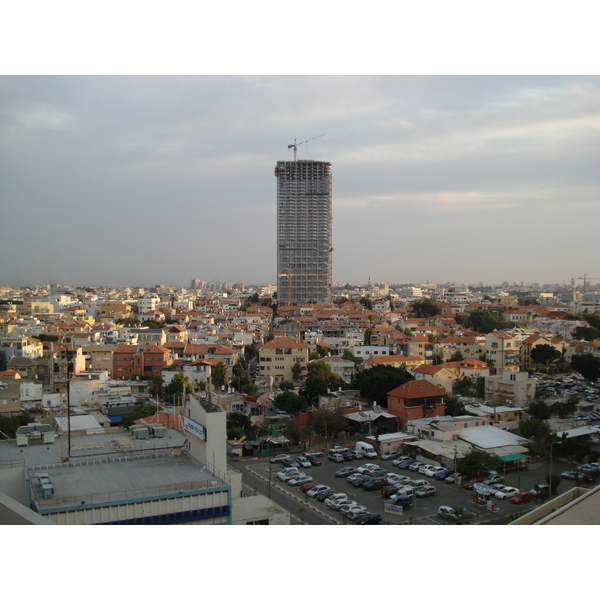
143, 180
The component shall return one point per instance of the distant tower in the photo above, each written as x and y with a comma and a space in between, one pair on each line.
303, 231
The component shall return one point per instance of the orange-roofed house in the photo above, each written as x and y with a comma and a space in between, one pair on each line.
278, 357
130, 359
416, 400
436, 374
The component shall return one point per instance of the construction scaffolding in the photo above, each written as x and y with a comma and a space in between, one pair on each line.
304, 231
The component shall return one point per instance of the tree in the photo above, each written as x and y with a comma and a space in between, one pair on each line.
219, 375
139, 412
375, 383
297, 372
426, 308
586, 364
539, 409
293, 431
545, 354
174, 390
290, 402
457, 356
476, 462
537, 430
588, 334
454, 407
327, 422
239, 425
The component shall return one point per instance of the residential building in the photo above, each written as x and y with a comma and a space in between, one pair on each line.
416, 400
131, 360
436, 374
304, 214
502, 351
510, 389
278, 357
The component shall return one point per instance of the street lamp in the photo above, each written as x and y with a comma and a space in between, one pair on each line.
550, 475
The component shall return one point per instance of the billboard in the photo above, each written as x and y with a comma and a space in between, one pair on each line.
392, 509
194, 428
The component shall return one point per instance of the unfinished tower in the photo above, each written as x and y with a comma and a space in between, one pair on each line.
303, 231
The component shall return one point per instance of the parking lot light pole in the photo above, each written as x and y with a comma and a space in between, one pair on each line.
550, 475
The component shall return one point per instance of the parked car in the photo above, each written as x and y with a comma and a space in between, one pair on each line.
392, 478
426, 490
374, 484
569, 475
451, 512
337, 458
401, 500
399, 460
521, 498
493, 479
367, 467
345, 472
390, 455
389, 490
313, 453
280, 457
290, 462
304, 462
507, 492
354, 476
355, 512
453, 478
469, 485
352, 505
334, 497
422, 468
347, 456
337, 449
355, 454
322, 496
433, 471
369, 519
442, 475
416, 483
288, 473
296, 481
341, 503
317, 490
314, 460
406, 463
415, 465
307, 487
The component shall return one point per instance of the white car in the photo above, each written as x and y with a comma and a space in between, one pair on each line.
433, 471
422, 468
288, 473
335, 497
507, 492
393, 478
340, 504
304, 462
426, 490
300, 480
367, 467
280, 457
355, 511
317, 490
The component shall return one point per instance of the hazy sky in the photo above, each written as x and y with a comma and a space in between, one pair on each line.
123, 180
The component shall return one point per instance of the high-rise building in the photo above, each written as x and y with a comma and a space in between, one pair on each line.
303, 231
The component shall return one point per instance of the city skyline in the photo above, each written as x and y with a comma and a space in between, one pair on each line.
112, 181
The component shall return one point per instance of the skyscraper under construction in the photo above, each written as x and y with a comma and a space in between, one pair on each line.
303, 231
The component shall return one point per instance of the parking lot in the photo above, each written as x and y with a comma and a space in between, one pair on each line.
423, 511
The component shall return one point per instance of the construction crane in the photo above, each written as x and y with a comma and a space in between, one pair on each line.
295, 145
585, 280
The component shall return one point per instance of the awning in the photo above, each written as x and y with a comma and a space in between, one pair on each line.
510, 457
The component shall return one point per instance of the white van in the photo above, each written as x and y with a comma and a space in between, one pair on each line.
366, 449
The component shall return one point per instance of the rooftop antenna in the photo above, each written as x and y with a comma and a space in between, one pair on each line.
295, 145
